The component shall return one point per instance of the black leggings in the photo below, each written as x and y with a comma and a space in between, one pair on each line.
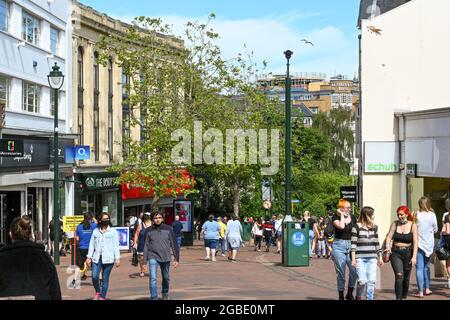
258, 240
401, 263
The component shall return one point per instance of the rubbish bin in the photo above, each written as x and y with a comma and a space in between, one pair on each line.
295, 244
246, 231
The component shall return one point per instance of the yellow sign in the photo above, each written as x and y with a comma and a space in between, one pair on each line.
70, 223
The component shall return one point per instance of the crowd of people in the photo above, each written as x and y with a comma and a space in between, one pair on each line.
351, 241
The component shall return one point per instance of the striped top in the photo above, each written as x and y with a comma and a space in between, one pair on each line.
365, 242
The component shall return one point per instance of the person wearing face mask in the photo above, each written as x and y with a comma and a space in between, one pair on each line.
403, 234
103, 254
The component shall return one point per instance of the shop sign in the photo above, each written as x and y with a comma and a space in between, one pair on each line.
349, 193
11, 148
36, 153
381, 157
99, 181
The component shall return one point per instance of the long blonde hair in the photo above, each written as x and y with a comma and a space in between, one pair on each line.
425, 204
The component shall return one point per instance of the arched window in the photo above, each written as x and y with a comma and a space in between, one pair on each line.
96, 107
80, 81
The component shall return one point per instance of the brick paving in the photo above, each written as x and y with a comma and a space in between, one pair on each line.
256, 276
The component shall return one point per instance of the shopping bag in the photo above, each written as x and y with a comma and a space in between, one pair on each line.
135, 260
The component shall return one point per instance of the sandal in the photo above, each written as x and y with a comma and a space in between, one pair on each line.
429, 293
418, 295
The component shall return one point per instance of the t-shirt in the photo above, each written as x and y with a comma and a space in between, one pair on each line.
85, 235
346, 233
212, 230
427, 227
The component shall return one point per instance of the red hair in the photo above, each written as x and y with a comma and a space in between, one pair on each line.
342, 203
408, 212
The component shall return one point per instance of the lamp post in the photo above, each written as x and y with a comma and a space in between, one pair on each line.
55, 80
288, 153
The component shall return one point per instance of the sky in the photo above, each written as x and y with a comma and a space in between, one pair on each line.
266, 27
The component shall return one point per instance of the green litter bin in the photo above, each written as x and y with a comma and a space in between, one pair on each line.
295, 244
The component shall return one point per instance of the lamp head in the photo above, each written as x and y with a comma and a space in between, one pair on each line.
288, 54
55, 77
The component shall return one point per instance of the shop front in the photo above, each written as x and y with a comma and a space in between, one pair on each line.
98, 193
425, 139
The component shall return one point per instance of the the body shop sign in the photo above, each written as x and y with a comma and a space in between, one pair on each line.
99, 181
381, 157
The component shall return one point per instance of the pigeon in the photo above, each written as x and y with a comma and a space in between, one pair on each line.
307, 42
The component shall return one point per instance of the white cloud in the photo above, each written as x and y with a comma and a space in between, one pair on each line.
268, 37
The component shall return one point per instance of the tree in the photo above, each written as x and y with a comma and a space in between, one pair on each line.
177, 85
338, 126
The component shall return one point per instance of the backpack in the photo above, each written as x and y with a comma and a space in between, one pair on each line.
329, 229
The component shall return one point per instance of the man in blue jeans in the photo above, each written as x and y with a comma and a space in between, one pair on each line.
177, 227
159, 244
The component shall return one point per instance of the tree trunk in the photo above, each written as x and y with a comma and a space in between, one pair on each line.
235, 192
155, 203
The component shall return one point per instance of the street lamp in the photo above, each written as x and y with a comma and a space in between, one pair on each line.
288, 153
55, 80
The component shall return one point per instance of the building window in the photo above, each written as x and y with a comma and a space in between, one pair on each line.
4, 92
80, 96
96, 108
54, 40
314, 110
110, 110
30, 97
126, 117
30, 28
4, 13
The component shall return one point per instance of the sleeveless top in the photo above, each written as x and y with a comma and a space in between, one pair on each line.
403, 237
141, 238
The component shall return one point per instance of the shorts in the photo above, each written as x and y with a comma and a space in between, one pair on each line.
81, 257
234, 243
278, 234
211, 243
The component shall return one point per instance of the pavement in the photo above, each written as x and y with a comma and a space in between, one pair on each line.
255, 276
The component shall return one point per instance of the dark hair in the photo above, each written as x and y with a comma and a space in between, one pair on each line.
155, 213
234, 217
21, 228
211, 217
87, 221
100, 216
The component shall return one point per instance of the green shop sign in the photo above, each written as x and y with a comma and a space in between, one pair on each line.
98, 181
381, 157
382, 167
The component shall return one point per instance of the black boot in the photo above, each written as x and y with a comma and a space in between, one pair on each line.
341, 295
349, 295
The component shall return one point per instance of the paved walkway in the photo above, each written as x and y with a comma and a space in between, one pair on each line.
256, 276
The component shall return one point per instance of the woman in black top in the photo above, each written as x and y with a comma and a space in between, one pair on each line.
26, 269
343, 222
402, 243
446, 235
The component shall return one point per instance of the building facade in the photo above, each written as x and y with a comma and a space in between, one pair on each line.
34, 35
404, 135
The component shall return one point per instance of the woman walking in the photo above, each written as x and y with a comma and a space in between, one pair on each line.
103, 254
84, 234
257, 232
404, 237
343, 222
446, 235
233, 236
427, 227
139, 240
366, 252
211, 235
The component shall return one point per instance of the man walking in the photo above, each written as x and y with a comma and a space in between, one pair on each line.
159, 244
177, 227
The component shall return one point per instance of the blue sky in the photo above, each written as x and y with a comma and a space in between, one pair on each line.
266, 27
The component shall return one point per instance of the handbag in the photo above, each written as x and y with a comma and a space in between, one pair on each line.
441, 250
134, 259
